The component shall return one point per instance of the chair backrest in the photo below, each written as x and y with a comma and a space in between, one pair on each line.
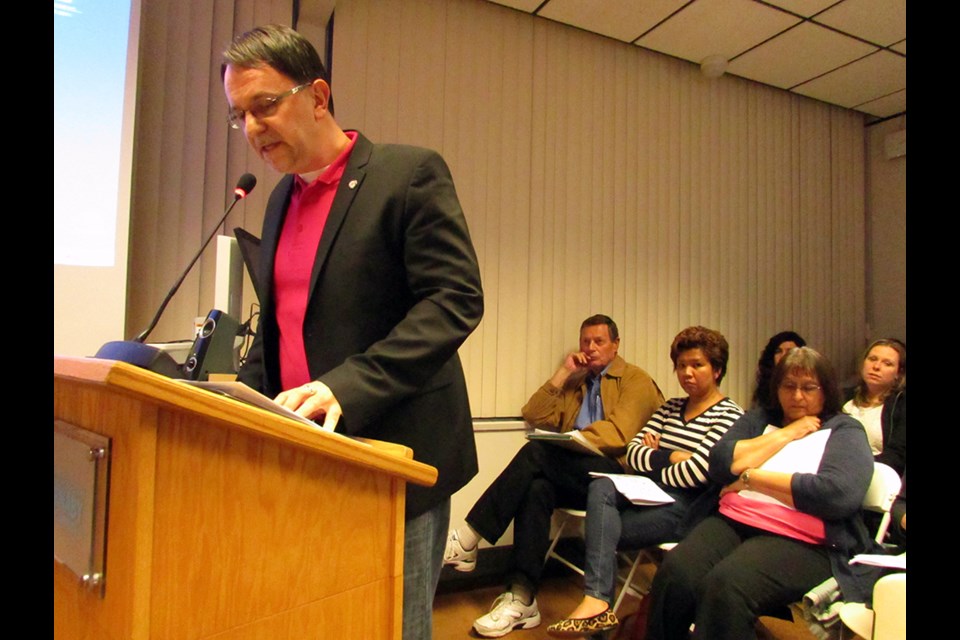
890, 607
883, 490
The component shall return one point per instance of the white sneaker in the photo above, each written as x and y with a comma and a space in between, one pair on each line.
456, 556
507, 614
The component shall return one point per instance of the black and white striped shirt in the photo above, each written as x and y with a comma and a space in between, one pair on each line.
696, 436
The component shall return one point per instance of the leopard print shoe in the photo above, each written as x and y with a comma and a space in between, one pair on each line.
579, 627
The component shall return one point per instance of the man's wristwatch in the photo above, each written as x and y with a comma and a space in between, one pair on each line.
745, 478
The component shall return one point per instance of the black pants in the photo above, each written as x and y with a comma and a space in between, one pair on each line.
724, 575
540, 477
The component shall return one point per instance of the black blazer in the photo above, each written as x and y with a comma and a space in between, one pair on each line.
395, 291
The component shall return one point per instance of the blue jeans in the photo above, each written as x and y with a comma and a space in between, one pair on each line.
424, 540
613, 522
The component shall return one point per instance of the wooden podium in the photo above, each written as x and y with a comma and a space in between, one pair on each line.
226, 521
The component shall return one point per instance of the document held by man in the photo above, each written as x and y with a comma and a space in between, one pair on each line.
573, 440
243, 393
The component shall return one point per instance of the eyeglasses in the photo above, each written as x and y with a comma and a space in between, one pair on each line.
263, 108
805, 389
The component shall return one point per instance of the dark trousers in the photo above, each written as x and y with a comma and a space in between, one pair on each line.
724, 575
540, 477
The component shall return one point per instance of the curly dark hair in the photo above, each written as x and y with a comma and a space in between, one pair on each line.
761, 392
712, 343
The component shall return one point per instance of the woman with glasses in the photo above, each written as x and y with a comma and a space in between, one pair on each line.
794, 475
879, 401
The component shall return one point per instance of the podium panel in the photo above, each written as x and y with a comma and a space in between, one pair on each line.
228, 522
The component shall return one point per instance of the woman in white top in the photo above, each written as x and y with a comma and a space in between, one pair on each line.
879, 401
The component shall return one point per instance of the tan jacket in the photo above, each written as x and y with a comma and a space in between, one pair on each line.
629, 396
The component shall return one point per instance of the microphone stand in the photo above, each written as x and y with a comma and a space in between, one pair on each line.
148, 357
239, 194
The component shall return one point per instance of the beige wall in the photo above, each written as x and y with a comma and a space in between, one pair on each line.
599, 177
887, 230
596, 177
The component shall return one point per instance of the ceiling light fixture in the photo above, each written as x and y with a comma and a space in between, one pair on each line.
713, 66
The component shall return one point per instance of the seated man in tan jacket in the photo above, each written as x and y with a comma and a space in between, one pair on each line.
609, 401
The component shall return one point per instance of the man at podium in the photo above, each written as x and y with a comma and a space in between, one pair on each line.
370, 284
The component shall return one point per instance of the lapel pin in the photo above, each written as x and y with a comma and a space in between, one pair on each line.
352, 184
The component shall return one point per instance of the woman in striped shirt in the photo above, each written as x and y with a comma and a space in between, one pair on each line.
673, 450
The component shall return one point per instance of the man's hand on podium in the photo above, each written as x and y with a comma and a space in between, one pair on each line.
313, 400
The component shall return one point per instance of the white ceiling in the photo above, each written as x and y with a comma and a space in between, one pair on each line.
852, 53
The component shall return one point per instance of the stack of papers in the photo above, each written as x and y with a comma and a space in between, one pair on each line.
570, 440
881, 560
639, 490
243, 393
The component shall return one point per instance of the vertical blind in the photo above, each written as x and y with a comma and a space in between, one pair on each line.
598, 177
186, 158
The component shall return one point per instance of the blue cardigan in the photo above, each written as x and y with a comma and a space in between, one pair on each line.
834, 493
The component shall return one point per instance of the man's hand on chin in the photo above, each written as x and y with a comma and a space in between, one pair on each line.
576, 361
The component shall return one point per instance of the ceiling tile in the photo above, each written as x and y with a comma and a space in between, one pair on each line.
804, 8
757, 36
524, 5
886, 106
882, 22
804, 52
872, 77
724, 27
621, 19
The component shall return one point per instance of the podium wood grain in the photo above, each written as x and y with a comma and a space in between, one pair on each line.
228, 522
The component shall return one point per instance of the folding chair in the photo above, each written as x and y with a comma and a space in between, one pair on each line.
643, 555
567, 516
888, 618
571, 516
883, 490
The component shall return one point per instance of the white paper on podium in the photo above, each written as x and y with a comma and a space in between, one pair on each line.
243, 393
640, 490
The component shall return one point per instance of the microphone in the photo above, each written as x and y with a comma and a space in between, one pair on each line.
152, 358
245, 185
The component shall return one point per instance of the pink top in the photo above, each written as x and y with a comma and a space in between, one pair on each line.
775, 518
293, 268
